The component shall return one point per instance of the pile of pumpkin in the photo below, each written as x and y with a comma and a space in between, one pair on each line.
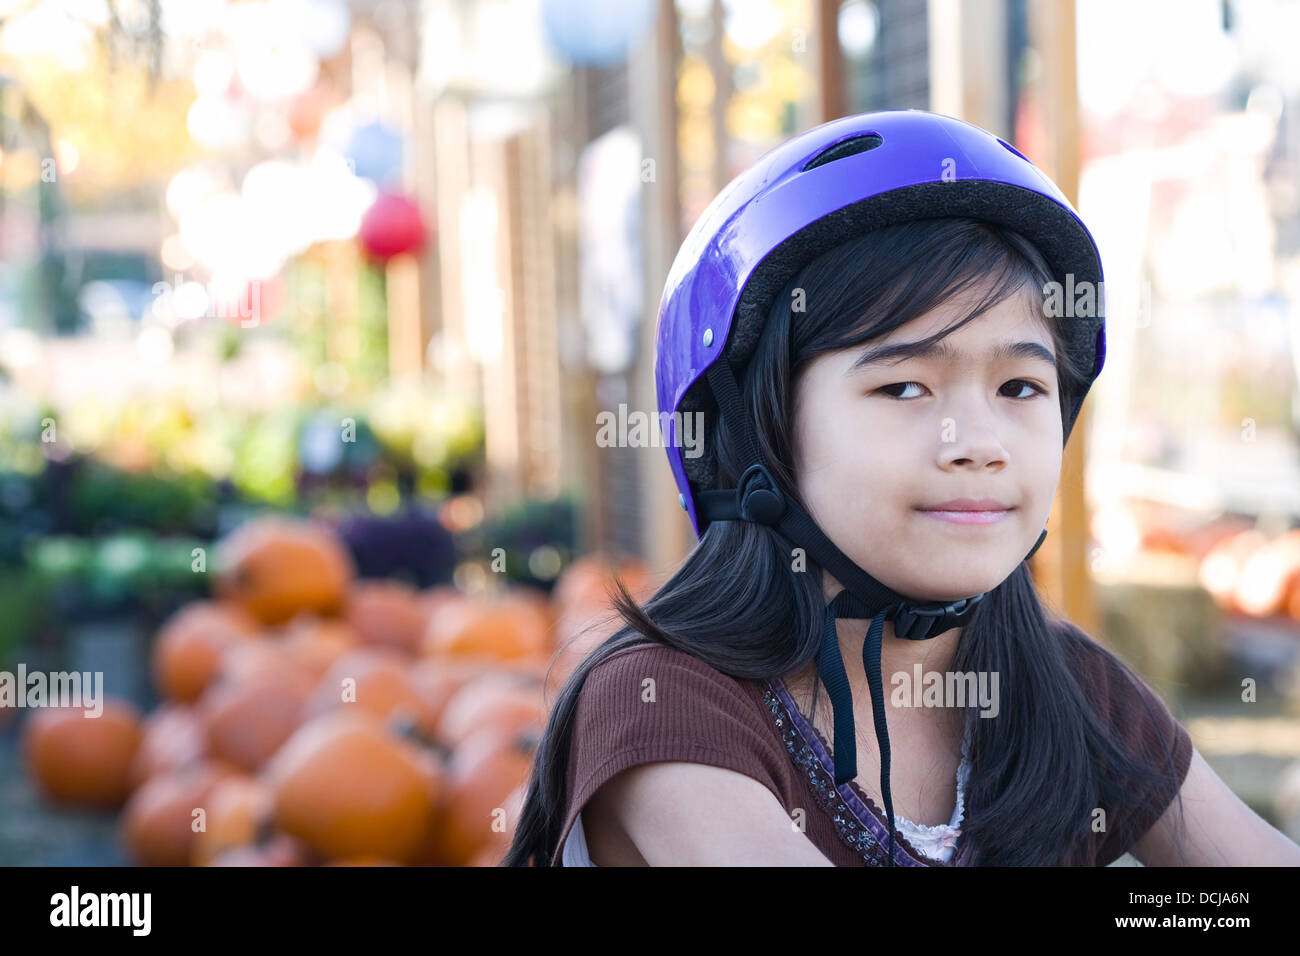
1246, 571
313, 718
1250, 573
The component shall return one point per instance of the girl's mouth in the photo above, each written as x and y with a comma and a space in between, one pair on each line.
969, 517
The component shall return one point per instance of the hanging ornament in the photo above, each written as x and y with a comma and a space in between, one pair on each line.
321, 25
393, 225
307, 110
375, 151
589, 33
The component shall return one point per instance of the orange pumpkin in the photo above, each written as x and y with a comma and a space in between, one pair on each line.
503, 830
276, 567
496, 701
1222, 565
586, 617
158, 821
1203, 537
347, 787
586, 582
316, 643
387, 614
437, 679
441, 603
508, 627
278, 850
362, 861
378, 681
172, 736
82, 760
480, 778
1267, 576
189, 647
260, 656
238, 815
247, 719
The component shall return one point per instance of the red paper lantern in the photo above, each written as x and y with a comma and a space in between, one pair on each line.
393, 225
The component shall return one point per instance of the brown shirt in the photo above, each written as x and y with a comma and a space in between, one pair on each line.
655, 703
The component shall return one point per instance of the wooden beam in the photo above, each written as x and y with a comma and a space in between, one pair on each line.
1062, 564
830, 67
652, 80
968, 51
722, 90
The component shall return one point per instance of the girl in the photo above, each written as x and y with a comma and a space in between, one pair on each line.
868, 322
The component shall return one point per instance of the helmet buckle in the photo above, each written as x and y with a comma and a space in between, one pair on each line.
914, 623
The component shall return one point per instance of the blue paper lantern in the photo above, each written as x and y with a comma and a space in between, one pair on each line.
375, 150
596, 33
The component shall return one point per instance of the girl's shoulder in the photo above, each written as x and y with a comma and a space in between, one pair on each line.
656, 673
1105, 679
651, 703
1141, 723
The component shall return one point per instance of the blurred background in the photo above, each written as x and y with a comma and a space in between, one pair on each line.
309, 308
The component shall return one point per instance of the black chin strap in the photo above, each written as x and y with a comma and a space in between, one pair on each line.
756, 498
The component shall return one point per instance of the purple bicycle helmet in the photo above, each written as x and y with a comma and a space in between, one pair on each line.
811, 193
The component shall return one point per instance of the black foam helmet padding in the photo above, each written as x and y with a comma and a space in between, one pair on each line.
1046, 224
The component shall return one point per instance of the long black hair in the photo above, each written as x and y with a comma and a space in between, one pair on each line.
1036, 771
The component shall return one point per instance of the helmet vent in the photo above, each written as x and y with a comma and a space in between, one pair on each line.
849, 147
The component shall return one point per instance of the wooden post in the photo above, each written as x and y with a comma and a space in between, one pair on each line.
1061, 568
830, 72
405, 342
968, 50
652, 77
459, 372
722, 88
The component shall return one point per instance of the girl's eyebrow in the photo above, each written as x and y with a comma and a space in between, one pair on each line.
896, 352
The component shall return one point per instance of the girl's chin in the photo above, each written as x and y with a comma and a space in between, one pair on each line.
949, 580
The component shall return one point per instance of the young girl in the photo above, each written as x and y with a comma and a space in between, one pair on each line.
867, 321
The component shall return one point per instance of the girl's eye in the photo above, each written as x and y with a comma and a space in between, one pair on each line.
1021, 382
902, 385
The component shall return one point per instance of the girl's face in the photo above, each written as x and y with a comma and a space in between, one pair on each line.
879, 446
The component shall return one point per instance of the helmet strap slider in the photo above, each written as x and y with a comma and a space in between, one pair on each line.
758, 497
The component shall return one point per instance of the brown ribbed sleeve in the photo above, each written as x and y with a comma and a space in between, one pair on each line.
1145, 727
654, 703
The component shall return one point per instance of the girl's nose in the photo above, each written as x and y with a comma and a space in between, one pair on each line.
978, 446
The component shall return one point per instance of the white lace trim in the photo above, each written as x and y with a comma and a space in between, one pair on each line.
939, 841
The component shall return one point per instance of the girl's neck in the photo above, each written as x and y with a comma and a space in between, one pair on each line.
933, 654
897, 656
